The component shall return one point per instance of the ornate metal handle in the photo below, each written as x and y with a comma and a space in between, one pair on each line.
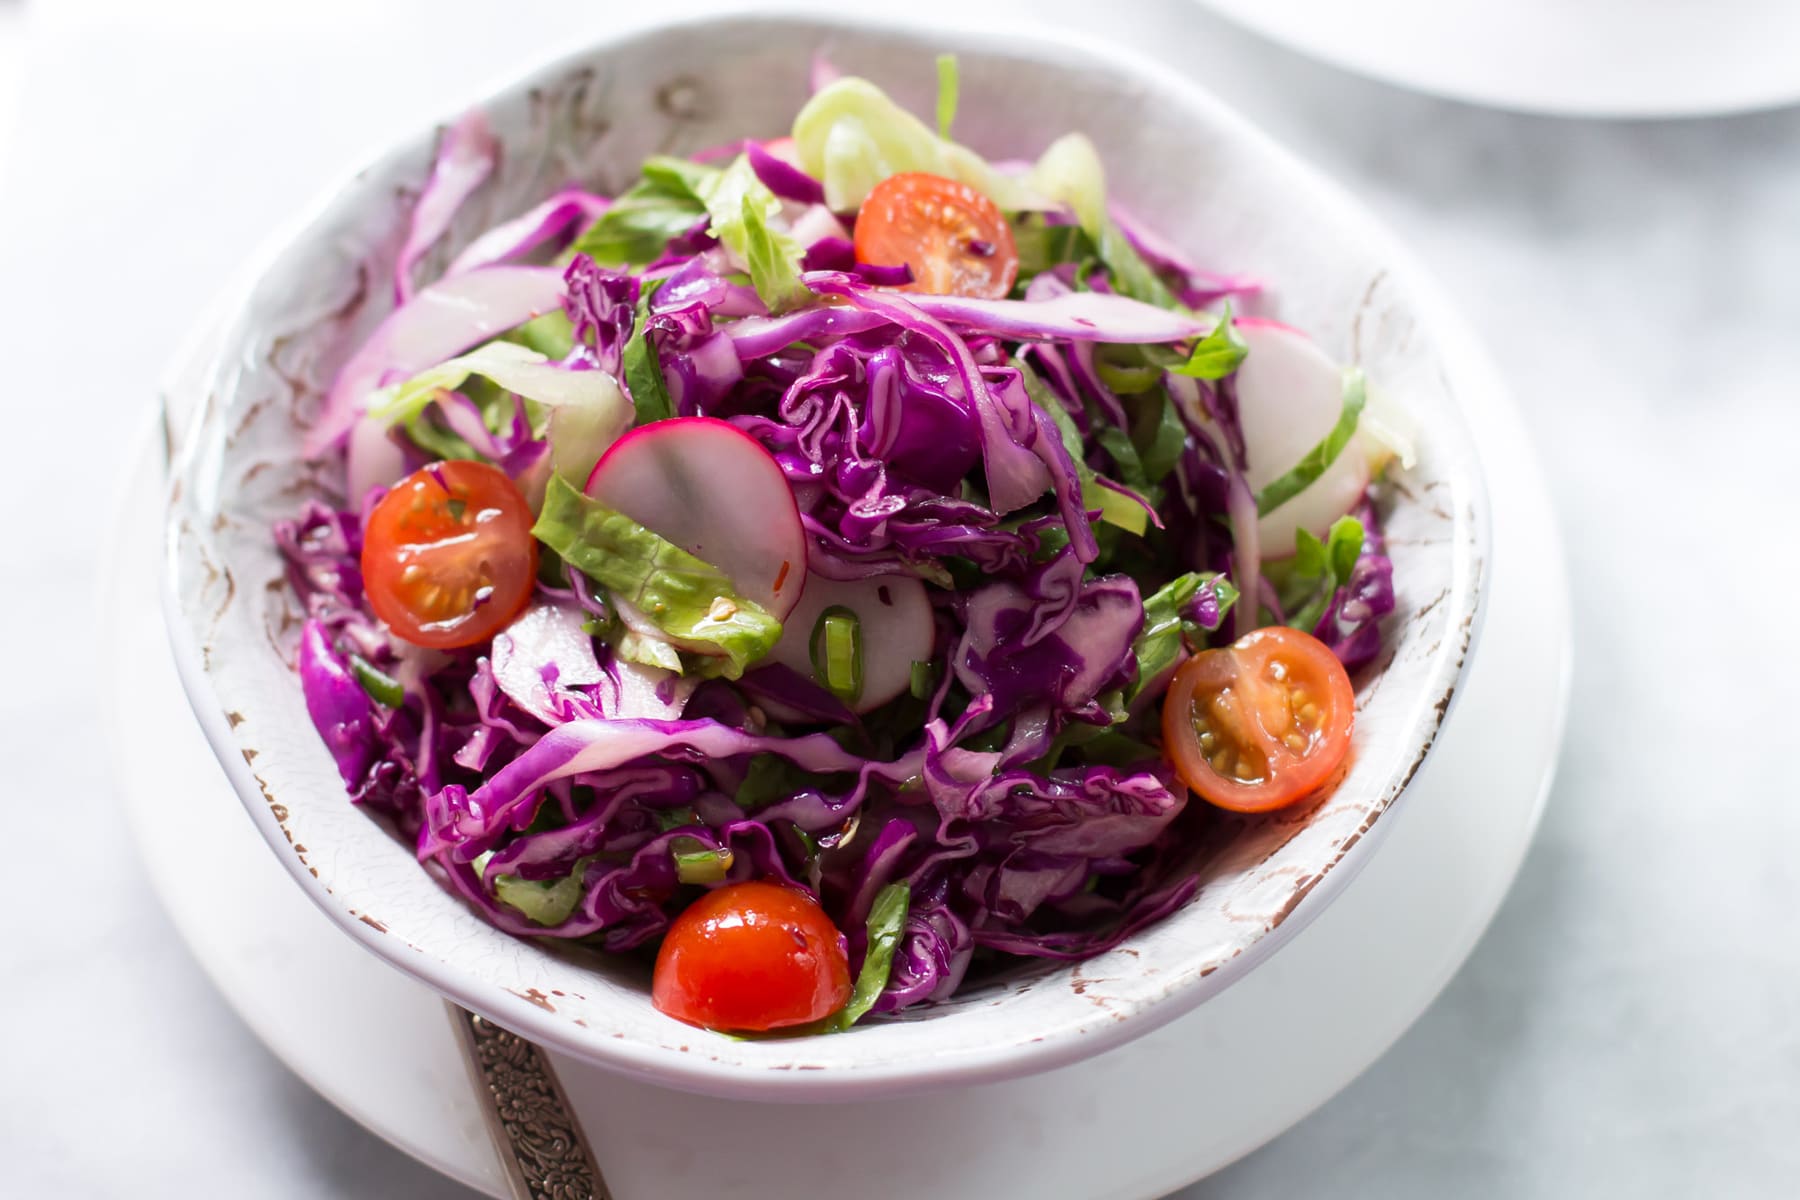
541, 1146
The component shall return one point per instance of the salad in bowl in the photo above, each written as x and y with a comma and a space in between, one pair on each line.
833, 563
720, 544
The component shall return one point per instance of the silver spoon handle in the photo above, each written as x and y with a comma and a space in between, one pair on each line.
541, 1146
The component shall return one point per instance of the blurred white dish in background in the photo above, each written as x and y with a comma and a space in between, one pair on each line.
13, 32
1587, 58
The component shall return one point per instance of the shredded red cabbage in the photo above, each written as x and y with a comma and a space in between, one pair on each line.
969, 443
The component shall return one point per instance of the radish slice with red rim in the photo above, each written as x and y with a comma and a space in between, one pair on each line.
439, 322
1290, 395
711, 489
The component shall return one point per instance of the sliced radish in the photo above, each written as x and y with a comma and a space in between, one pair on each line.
895, 626
373, 459
649, 692
784, 149
439, 322
543, 652
714, 491
815, 223
1290, 394
546, 653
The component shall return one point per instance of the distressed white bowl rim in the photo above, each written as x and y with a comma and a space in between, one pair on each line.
923, 1067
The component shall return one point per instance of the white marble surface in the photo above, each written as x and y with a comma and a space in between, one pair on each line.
1631, 1024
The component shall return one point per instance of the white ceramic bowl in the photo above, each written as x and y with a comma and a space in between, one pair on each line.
1180, 160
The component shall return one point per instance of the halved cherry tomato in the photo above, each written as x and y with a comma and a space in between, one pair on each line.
751, 957
953, 237
1260, 724
448, 558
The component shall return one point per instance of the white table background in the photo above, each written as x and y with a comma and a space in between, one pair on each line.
1631, 1024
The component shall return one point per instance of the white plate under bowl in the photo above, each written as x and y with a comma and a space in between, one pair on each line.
377, 1044
1577, 58
1331, 271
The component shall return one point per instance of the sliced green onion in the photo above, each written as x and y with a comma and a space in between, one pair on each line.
547, 902
704, 865
837, 656
382, 687
924, 679
946, 97
1115, 508
1127, 379
1318, 460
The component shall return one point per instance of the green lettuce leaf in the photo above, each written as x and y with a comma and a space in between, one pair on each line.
1217, 354
689, 600
887, 922
1159, 643
551, 334
1070, 172
643, 368
586, 410
850, 136
1306, 582
1157, 433
680, 175
744, 213
1042, 246
639, 225
771, 255
745, 216
401, 402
